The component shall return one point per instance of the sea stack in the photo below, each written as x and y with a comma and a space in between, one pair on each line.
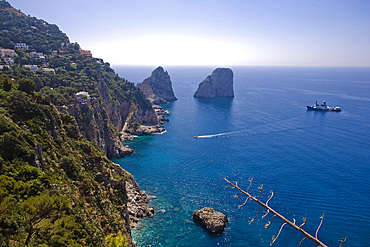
214, 222
158, 87
219, 84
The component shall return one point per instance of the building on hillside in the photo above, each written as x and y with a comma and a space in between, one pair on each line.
31, 67
36, 54
64, 52
48, 70
9, 60
4, 66
7, 53
42, 58
83, 96
22, 46
86, 53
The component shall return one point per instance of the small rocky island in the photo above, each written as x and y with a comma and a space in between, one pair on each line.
158, 87
214, 222
219, 84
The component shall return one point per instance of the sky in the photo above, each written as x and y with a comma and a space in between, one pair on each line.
214, 32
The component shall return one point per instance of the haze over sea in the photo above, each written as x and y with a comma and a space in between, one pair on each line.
314, 162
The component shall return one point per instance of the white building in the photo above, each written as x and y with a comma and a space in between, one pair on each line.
22, 46
4, 66
36, 54
31, 67
83, 96
9, 60
42, 58
48, 70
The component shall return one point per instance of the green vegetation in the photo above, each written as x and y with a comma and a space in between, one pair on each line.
16, 27
73, 72
116, 241
63, 197
56, 187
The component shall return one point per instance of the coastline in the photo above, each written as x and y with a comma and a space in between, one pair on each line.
185, 173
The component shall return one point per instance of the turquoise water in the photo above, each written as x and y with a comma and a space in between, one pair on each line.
314, 162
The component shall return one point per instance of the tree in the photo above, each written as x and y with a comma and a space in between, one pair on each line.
269, 209
116, 241
4, 4
26, 85
76, 46
7, 84
37, 208
6, 43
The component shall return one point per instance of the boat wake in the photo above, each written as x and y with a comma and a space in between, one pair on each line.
278, 126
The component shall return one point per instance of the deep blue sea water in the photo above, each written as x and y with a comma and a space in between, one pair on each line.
314, 162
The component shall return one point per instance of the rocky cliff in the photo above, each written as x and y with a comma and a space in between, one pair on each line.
158, 87
93, 125
51, 144
45, 163
219, 84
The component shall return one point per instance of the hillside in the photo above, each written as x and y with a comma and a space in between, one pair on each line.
62, 113
56, 188
16, 27
115, 105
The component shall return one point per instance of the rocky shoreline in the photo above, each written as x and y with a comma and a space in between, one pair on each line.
142, 130
137, 203
137, 200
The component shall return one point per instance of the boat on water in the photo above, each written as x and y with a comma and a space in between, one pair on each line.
322, 107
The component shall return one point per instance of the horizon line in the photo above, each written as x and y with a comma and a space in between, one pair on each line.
247, 65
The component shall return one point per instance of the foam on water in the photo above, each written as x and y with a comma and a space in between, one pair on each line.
278, 126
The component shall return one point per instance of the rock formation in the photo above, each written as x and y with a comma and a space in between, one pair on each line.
158, 87
93, 125
137, 203
219, 84
214, 222
135, 199
39, 159
96, 118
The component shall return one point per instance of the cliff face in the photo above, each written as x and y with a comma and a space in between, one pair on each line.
71, 178
93, 124
46, 163
158, 87
219, 84
104, 120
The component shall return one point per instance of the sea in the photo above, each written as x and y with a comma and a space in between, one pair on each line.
316, 163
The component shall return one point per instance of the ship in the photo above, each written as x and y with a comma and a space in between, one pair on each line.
322, 107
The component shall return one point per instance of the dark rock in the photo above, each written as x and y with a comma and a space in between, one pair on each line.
158, 87
219, 84
214, 222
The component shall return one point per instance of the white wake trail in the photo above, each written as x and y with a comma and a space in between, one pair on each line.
277, 126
